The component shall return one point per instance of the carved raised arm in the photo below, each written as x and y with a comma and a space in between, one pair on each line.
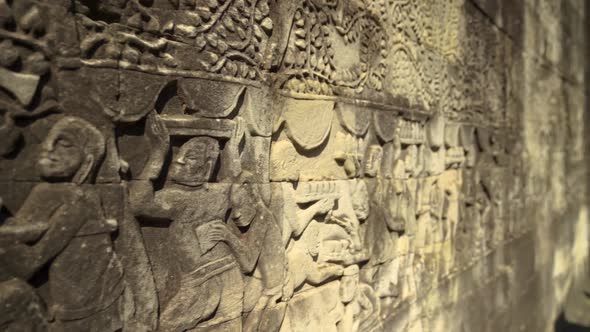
141, 191
231, 164
159, 139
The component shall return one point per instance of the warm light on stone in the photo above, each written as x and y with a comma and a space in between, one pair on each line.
293, 165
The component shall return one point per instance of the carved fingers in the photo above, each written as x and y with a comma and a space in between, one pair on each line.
217, 232
159, 139
324, 205
239, 130
343, 220
156, 130
330, 269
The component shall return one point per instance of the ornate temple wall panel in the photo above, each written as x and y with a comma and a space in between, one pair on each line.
291, 165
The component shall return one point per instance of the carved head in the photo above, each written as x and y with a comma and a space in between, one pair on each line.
349, 283
360, 201
195, 161
243, 199
374, 156
71, 151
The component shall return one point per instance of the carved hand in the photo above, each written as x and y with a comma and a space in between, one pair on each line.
159, 140
343, 221
232, 165
324, 205
331, 269
218, 233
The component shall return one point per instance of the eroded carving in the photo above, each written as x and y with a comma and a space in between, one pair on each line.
62, 224
259, 165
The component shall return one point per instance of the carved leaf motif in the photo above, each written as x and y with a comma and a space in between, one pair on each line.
132, 104
215, 99
356, 119
385, 125
308, 122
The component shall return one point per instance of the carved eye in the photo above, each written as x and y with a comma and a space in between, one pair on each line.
64, 143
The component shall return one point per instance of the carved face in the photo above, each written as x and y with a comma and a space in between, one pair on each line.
194, 163
373, 163
360, 201
243, 205
61, 154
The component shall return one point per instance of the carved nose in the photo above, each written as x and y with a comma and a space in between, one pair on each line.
180, 160
47, 147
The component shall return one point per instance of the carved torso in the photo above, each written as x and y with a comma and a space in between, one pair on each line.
189, 210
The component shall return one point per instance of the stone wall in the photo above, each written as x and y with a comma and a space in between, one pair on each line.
291, 165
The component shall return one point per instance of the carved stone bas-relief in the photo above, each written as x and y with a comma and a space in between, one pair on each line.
288, 165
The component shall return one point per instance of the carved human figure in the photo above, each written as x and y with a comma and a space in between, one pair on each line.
327, 248
61, 225
297, 218
401, 207
413, 157
211, 284
254, 238
348, 289
342, 305
377, 237
304, 212
331, 242
348, 156
393, 209
484, 224
492, 199
373, 160
353, 209
360, 305
302, 258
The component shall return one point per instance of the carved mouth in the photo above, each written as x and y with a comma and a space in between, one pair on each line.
46, 160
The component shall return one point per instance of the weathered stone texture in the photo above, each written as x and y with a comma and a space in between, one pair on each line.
292, 165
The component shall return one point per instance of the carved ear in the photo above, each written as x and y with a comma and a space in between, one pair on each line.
210, 169
84, 171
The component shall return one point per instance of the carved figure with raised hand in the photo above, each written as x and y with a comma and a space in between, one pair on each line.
303, 265
353, 209
61, 225
254, 238
297, 218
361, 305
211, 288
